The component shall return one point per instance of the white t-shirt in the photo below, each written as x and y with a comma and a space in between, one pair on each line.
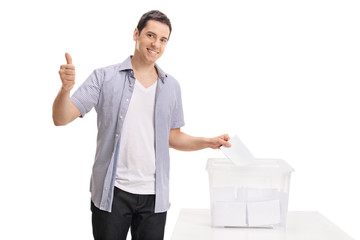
136, 161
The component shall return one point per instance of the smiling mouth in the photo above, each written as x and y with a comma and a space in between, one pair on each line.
152, 52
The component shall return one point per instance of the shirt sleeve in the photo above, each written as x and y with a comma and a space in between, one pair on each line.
177, 118
87, 95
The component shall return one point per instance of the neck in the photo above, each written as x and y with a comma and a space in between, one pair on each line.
141, 66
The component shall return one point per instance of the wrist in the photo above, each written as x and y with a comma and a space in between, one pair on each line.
65, 90
207, 142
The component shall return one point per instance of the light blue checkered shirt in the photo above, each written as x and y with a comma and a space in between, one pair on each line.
109, 90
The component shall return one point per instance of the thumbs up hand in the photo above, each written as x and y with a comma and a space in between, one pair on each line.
67, 73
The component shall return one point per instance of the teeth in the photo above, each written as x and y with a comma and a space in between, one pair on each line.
152, 52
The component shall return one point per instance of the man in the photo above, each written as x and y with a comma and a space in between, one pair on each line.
139, 112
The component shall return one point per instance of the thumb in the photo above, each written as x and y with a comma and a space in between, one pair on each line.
68, 58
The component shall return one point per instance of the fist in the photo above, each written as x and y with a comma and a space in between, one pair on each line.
67, 73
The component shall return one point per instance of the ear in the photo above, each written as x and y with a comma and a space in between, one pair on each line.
136, 34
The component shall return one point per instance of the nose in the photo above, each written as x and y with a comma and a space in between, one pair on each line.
155, 43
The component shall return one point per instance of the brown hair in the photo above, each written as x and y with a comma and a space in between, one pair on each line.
153, 15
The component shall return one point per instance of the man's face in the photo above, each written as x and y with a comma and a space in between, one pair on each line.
151, 43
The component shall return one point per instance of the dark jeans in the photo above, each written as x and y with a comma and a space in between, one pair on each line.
129, 211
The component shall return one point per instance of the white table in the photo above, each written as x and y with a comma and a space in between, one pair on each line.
195, 224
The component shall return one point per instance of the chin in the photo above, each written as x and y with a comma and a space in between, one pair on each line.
152, 59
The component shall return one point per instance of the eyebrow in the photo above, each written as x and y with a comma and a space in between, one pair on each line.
156, 35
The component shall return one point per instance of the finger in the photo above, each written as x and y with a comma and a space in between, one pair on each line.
67, 72
225, 143
226, 137
68, 58
67, 66
65, 77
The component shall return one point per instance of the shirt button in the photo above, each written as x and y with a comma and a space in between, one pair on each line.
121, 117
117, 135
127, 99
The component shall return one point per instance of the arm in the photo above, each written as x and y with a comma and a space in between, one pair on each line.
64, 111
181, 141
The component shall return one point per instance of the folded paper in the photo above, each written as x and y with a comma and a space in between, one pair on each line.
238, 152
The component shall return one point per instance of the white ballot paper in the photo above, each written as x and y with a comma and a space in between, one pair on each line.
237, 153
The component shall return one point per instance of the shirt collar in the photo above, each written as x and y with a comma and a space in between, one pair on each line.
126, 65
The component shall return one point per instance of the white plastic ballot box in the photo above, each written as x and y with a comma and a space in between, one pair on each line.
253, 195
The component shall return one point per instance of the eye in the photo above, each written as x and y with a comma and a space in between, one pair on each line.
150, 35
163, 40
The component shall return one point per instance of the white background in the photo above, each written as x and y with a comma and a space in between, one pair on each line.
283, 75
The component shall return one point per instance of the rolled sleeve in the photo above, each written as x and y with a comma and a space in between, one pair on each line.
87, 95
